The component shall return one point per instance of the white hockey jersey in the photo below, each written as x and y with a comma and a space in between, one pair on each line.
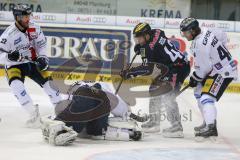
211, 55
30, 44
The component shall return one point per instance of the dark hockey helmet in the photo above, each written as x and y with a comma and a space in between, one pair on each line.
141, 29
21, 10
189, 24
97, 86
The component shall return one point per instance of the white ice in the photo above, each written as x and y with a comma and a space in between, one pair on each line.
20, 143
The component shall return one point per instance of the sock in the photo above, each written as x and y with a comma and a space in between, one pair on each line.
53, 94
210, 113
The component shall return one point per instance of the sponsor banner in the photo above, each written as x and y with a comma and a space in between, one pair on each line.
37, 17
133, 21
137, 8
90, 19
237, 26
92, 7
6, 16
76, 76
228, 26
172, 23
49, 17
83, 45
154, 8
49, 6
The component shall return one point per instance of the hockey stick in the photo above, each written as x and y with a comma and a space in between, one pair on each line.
139, 118
186, 87
132, 115
119, 85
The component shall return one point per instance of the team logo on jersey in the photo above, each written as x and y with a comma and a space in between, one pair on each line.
218, 66
16, 41
23, 93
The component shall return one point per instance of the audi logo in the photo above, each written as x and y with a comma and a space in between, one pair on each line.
224, 25
99, 20
151, 22
49, 17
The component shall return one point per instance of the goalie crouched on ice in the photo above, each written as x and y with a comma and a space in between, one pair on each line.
86, 112
23, 50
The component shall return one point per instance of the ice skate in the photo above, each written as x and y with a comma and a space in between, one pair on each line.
151, 127
198, 128
209, 132
175, 131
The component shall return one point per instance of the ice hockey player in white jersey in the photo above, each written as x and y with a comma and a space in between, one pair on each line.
214, 70
85, 112
23, 52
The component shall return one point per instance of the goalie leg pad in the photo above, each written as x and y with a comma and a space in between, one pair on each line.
56, 132
122, 129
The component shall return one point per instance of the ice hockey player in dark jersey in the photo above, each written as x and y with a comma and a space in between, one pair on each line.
168, 68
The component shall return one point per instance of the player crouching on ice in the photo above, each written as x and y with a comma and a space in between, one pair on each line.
86, 113
23, 51
214, 71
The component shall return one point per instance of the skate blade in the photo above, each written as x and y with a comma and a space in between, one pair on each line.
151, 130
178, 134
212, 139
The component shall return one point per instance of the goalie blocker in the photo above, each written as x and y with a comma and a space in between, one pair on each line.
86, 113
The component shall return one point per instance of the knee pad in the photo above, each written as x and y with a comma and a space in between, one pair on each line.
207, 99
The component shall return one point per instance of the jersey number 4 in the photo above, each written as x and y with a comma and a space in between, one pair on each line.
223, 53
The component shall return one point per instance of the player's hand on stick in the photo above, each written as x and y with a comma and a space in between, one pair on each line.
126, 74
15, 56
194, 80
137, 48
42, 63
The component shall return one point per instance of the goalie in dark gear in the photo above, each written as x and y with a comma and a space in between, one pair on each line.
87, 111
89, 108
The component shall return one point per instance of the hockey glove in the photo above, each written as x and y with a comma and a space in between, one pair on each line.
15, 56
42, 63
137, 49
194, 80
125, 74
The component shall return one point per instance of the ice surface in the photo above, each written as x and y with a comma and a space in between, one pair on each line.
20, 143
